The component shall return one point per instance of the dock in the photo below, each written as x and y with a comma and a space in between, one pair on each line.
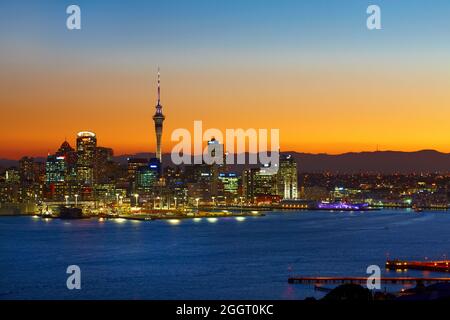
437, 266
363, 280
153, 217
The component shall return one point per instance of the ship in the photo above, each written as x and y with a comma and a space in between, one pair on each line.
343, 206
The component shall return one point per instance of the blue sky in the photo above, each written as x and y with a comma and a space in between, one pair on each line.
228, 25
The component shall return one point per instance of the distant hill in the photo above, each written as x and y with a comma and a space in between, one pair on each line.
379, 161
5, 163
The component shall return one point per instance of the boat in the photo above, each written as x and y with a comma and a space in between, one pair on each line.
343, 206
70, 213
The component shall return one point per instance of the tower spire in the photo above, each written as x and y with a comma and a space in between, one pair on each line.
159, 87
158, 118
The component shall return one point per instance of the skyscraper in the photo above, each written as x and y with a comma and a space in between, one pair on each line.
287, 178
258, 183
215, 152
86, 148
55, 169
158, 118
230, 183
55, 177
26, 170
70, 156
28, 178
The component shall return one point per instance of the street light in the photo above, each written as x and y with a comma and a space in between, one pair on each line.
76, 200
117, 198
175, 198
136, 196
241, 203
197, 199
160, 202
214, 202
67, 199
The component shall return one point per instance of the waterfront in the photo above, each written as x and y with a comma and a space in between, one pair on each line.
215, 258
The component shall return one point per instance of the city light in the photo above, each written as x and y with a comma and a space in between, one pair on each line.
136, 197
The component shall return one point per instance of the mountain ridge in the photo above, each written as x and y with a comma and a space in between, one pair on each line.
389, 161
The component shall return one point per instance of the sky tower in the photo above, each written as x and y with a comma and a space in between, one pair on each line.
158, 118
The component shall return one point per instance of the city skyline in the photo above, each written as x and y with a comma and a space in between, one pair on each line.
329, 84
217, 157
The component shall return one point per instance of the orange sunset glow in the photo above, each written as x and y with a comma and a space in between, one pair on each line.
314, 110
366, 91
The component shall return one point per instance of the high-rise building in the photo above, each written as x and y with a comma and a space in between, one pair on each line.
103, 164
12, 176
158, 118
258, 183
70, 156
146, 179
55, 176
199, 179
26, 170
65, 149
215, 152
176, 184
287, 178
55, 169
230, 183
29, 172
10, 191
133, 166
248, 183
155, 165
86, 149
86, 145
265, 182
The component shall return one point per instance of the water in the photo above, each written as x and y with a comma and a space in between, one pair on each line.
223, 259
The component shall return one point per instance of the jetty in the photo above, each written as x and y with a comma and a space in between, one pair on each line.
363, 280
401, 265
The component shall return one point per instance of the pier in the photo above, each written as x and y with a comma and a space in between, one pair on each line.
363, 280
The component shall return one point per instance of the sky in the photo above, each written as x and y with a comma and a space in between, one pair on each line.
311, 69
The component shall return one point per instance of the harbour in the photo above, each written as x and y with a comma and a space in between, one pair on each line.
248, 257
